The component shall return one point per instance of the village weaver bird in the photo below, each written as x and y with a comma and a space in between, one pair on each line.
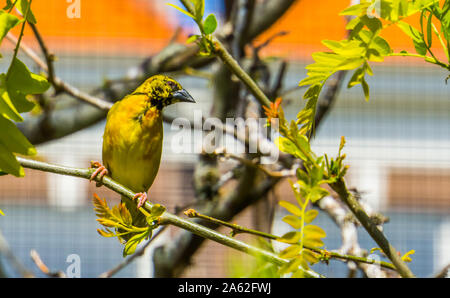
133, 137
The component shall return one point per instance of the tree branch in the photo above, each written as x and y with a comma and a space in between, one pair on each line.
348, 198
166, 218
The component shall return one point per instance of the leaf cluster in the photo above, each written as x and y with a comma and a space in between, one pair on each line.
15, 87
195, 9
119, 218
365, 45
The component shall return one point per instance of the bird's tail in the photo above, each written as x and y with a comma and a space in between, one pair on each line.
138, 219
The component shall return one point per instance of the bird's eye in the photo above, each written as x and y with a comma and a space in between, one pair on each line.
172, 84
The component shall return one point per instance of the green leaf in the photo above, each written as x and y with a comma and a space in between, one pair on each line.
415, 35
354, 10
310, 215
9, 5
313, 91
1, 213
314, 232
9, 163
7, 108
374, 24
132, 243
293, 221
303, 176
22, 6
13, 139
199, 8
20, 101
365, 87
21, 79
193, 38
291, 208
351, 63
312, 80
290, 237
347, 48
429, 34
317, 193
313, 242
7, 22
357, 77
290, 251
311, 256
182, 10
210, 24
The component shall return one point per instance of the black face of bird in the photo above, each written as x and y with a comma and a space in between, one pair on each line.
163, 91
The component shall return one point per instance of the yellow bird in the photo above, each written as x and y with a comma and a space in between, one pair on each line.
133, 137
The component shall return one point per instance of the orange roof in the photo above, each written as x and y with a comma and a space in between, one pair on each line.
142, 27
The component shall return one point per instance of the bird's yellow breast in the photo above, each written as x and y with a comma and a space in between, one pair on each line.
132, 142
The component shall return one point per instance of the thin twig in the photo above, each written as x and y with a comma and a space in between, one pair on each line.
233, 65
348, 198
16, 49
274, 174
237, 229
6, 251
445, 272
48, 57
42, 267
59, 84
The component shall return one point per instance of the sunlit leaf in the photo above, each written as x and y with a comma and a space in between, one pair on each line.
13, 139
9, 163
182, 10
7, 22
290, 208
290, 237
312, 231
22, 6
21, 79
310, 215
132, 243
415, 35
293, 221
290, 251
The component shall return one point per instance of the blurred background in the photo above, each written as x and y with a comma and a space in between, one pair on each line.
398, 143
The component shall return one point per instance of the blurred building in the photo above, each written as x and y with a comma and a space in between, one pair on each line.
398, 144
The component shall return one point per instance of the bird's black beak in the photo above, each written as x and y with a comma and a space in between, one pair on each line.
183, 96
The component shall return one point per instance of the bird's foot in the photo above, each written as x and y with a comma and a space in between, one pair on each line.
142, 198
100, 170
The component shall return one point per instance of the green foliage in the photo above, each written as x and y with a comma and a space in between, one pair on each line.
15, 86
240, 266
1, 213
119, 218
7, 22
195, 9
365, 45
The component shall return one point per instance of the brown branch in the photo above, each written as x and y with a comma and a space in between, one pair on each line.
6, 251
59, 84
42, 267
349, 199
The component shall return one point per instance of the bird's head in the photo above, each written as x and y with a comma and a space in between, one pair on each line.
163, 91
